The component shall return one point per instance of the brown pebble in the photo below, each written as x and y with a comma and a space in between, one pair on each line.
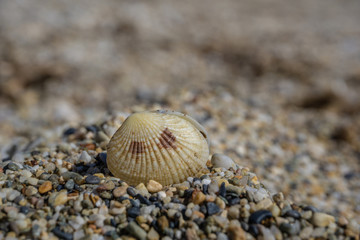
153, 186
119, 191
163, 222
45, 187
199, 198
236, 233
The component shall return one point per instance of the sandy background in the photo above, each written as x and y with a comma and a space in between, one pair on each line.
269, 80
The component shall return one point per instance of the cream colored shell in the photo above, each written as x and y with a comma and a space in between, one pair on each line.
165, 146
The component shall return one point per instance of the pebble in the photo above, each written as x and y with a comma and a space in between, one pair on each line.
153, 234
119, 191
322, 219
133, 212
84, 157
62, 235
163, 222
45, 187
70, 184
220, 160
12, 166
212, 208
199, 198
153, 186
141, 188
58, 198
92, 179
30, 191
236, 232
136, 231
259, 216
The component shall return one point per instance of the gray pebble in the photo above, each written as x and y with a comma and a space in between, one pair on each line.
70, 184
136, 231
220, 160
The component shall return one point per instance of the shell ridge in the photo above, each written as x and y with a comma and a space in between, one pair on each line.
164, 156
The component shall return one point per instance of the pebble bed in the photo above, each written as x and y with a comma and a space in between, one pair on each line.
65, 191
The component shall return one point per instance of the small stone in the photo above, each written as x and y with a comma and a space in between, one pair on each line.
58, 198
12, 166
212, 208
163, 222
119, 191
109, 185
84, 157
62, 235
264, 204
50, 167
220, 160
236, 232
290, 228
136, 231
133, 212
234, 212
275, 210
153, 186
221, 236
306, 232
30, 190
92, 179
153, 234
199, 198
292, 213
131, 191
45, 187
70, 184
322, 219
33, 181
73, 175
259, 216
142, 189
306, 214
213, 187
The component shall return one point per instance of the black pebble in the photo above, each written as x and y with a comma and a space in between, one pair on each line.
153, 199
133, 212
258, 216
205, 188
113, 223
78, 188
234, 201
253, 230
222, 191
212, 208
59, 187
24, 210
131, 191
102, 157
69, 131
292, 213
143, 199
244, 226
310, 208
62, 235
92, 128
92, 179
122, 198
188, 193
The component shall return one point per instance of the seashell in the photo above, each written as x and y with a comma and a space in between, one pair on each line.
164, 146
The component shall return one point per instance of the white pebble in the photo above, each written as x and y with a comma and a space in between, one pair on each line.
220, 160
206, 181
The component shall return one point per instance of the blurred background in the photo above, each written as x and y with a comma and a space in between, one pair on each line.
277, 84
